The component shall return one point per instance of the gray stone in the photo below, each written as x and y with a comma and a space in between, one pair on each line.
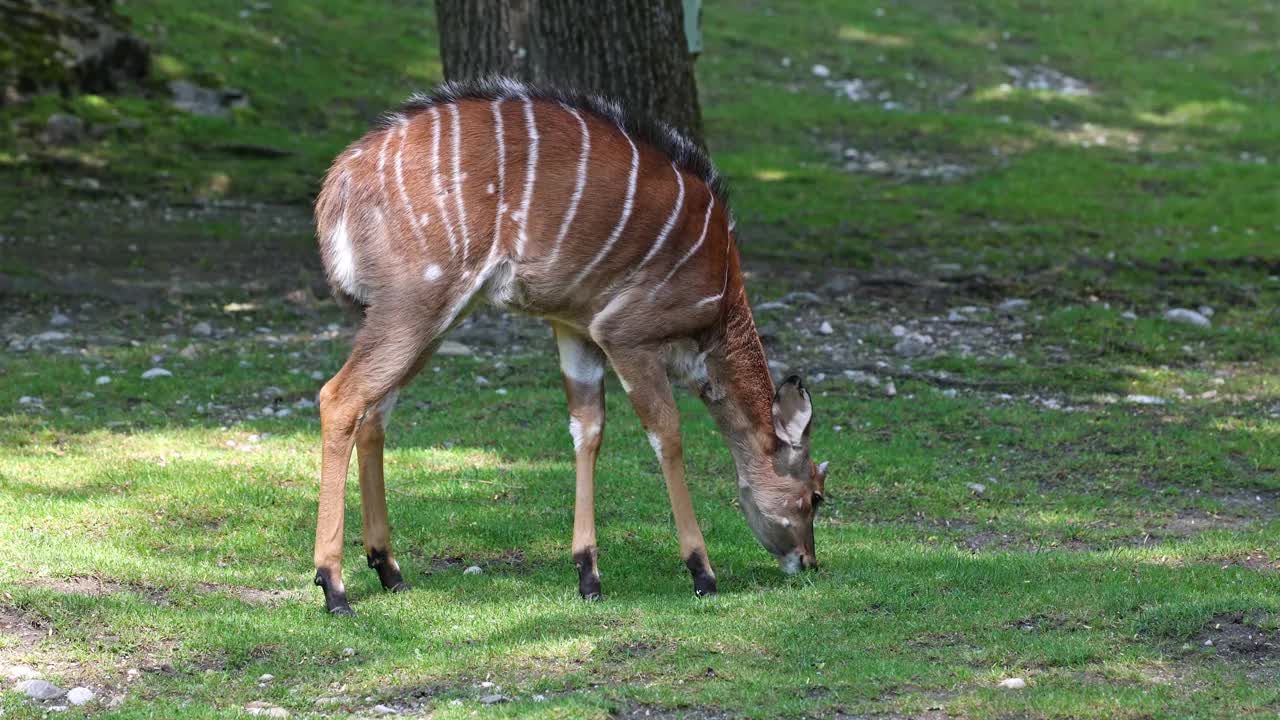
913, 345
202, 328
80, 696
977, 488
769, 306
384, 710
50, 336
825, 328
40, 689
102, 380
156, 372
473, 570
58, 320
494, 699
1129, 315
1012, 684
801, 297
1144, 400
1013, 304
1189, 317
890, 390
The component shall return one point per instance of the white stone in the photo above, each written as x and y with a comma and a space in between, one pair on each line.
202, 328
473, 570
1012, 684
58, 320
79, 696
898, 331
1189, 317
156, 372
384, 710
1144, 400
1013, 304
825, 328
266, 677
348, 652
977, 488
449, 347
821, 71
102, 380
890, 389
50, 336
1128, 315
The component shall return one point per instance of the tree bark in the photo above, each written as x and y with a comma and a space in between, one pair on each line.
633, 51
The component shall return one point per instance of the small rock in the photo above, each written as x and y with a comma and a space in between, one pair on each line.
348, 652
801, 297
1144, 400
821, 71
539, 698
156, 372
950, 392
50, 336
890, 389
1013, 304
898, 331
840, 285
1189, 317
202, 329
494, 699
40, 689
79, 695
1012, 684
977, 488
384, 710
190, 352
772, 305
488, 684
825, 328
1129, 315
913, 345
264, 709
450, 347
28, 400
58, 320
482, 380
266, 677
1206, 311
473, 570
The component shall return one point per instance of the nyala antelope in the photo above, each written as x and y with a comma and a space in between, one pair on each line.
613, 229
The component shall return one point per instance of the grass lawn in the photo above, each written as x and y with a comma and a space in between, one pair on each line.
1071, 489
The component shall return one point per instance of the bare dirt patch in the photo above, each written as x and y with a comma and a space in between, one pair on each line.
641, 711
251, 595
1239, 638
89, 586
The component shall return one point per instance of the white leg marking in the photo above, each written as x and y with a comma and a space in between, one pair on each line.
502, 170
435, 172
432, 273
343, 258
530, 174
656, 443
671, 220
581, 433
579, 185
386, 406
577, 362
410, 215
706, 222
457, 183
627, 206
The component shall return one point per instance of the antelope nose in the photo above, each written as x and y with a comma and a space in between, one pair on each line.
808, 562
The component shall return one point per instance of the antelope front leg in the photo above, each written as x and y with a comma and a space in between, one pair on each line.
370, 439
645, 376
582, 368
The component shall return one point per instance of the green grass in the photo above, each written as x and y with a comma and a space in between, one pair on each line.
159, 531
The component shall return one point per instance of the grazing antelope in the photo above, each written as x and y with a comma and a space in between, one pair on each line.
613, 229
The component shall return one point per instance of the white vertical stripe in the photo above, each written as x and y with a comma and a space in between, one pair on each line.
502, 170
530, 174
671, 220
579, 185
435, 173
410, 215
457, 183
627, 205
706, 222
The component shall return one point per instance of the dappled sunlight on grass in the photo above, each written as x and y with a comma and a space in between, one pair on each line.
854, 33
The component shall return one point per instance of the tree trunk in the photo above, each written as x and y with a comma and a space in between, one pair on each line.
633, 51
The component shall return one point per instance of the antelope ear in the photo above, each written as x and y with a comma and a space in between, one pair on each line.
792, 412
822, 478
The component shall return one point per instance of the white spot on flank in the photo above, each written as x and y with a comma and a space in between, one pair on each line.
432, 273
423, 219
435, 173
655, 442
671, 219
502, 170
706, 222
577, 362
342, 260
579, 184
530, 174
490, 188
457, 182
627, 206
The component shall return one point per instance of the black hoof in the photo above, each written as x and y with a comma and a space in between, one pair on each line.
335, 600
388, 573
588, 575
704, 582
